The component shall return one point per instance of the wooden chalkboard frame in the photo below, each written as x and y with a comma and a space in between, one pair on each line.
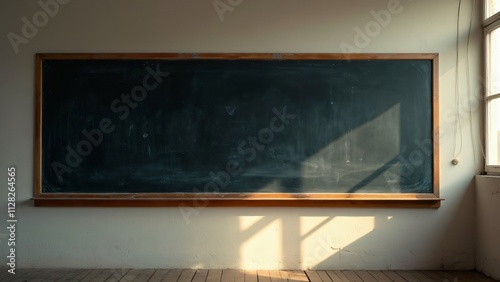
197, 200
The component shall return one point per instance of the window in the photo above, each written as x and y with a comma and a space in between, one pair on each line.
491, 28
492, 7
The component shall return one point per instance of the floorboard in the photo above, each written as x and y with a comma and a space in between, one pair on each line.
408, 276
365, 276
172, 275
227, 275
471, 276
250, 276
394, 276
144, 275
275, 276
117, 275
74, 275
313, 276
352, 276
232, 275
130, 275
158, 275
239, 276
324, 276
186, 275
21, 275
421, 276
380, 276
448, 276
284, 275
335, 277
297, 275
263, 276
46, 275
93, 274
434, 275
200, 276
214, 275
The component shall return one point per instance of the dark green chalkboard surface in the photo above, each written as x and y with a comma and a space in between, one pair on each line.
214, 126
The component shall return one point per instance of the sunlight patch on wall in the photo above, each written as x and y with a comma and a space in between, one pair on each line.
262, 242
324, 238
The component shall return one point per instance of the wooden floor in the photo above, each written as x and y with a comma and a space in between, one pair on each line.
202, 275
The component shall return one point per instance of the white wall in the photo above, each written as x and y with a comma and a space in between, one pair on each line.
263, 238
488, 225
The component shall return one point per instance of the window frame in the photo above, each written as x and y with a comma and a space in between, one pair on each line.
490, 24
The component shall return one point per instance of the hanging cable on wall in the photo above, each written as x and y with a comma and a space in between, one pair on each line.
469, 90
467, 69
458, 123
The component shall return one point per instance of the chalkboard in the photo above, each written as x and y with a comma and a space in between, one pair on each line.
173, 126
